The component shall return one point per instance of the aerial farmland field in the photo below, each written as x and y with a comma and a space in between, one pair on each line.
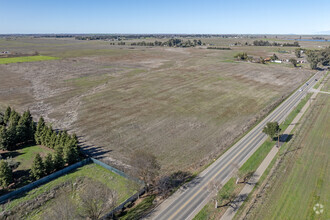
185, 105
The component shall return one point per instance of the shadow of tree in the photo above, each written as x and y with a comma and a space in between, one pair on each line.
97, 152
286, 137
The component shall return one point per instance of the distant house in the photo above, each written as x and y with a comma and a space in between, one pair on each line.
277, 61
267, 59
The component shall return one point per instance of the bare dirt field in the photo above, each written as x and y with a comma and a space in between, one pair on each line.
186, 105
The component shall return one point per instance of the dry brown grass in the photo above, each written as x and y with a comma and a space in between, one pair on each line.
185, 105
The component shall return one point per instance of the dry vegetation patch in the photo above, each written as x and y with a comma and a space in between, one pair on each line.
186, 105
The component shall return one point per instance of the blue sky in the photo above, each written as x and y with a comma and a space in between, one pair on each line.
171, 16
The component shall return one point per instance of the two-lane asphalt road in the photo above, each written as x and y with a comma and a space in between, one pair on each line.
188, 201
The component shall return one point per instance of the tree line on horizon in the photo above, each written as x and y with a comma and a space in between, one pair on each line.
174, 42
267, 43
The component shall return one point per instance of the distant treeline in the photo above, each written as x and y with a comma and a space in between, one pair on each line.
219, 48
175, 42
159, 36
267, 43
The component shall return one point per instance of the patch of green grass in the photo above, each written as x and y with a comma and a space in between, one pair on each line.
136, 71
317, 85
26, 59
92, 171
255, 160
87, 81
203, 214
138, 211
26, 155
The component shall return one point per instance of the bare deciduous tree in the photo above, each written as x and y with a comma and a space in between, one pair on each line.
96, 200
245, 176
167, 183
146, 166
228, 197
63, 208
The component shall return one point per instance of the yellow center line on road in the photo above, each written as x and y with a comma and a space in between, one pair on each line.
225, 166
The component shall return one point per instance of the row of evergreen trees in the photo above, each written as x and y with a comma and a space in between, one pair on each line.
65, 145
51, 163
15, 129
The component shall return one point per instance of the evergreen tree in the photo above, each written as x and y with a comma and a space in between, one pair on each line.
58, 160
70, 153
57, 140
52, 140
74, 139
11, 137
7, 115
48, 164
29, 125
48, 136
22, 129
4, 142
37, 171
43, 136
13, 119
6, 175
40, 127
64, 138
2, 122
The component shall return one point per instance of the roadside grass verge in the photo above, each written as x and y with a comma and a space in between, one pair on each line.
26, 59
317, 85
231, 188
138, 211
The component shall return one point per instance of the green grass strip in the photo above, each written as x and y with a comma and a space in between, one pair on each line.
138, 211
26, 59
317, 85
